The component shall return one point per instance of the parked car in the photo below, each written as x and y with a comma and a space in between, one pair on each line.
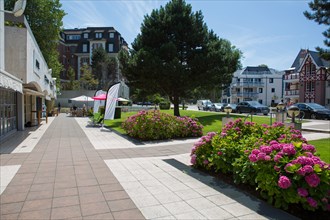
204, 105
313, 111
233, 107
252, 107
218, 107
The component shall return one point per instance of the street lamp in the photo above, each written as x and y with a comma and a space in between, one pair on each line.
228, 109
293, 111
280, 106
18, 8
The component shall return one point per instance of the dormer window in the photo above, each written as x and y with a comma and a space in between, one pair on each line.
111, 35
98, 35
85, 35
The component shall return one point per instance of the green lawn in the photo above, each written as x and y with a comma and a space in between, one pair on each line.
323, 148
210, 120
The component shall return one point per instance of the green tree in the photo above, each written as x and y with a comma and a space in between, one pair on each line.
321, 14
45, 19
175, 53
72, 84
104, 67
87, 80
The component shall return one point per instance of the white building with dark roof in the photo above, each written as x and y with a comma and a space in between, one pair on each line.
259, 83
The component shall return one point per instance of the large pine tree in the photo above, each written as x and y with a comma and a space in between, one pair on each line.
321, 14
175, 53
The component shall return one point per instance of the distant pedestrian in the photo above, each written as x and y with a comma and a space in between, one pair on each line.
59, 108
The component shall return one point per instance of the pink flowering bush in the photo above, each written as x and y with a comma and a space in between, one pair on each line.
292, 175
275, 159
155, 125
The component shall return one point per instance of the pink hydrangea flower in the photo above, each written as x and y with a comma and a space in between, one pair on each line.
253, 158
313, 180
205, 162
302, 192
255, 151
284, 182
193, 159
261, 156
289, 149
312, 202
277, 168
219, 153
277, 158
266, 149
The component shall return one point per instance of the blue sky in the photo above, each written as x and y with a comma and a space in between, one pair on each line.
267, 32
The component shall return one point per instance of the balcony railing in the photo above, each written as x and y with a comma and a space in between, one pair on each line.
245, 94
292, 92
248, 84
292, 76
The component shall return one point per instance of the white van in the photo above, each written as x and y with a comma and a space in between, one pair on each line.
204, 105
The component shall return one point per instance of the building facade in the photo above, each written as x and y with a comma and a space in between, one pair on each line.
77, 45
308, 79
259, 83
26, 83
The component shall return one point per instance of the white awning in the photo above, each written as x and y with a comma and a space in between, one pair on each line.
9, 81
33, 92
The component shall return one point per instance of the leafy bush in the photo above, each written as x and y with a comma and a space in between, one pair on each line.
155, 125
275, 159
164, 105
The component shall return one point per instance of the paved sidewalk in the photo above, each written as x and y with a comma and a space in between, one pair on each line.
74, 171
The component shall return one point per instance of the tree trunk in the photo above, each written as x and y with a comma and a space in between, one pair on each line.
176, 106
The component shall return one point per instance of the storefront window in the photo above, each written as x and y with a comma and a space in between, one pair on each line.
8, 111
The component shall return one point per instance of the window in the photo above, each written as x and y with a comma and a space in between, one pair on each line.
328, 101
260, 101
97, 45
112, 35
273, 89
110, 47
84, 47
73, 37
328, 83
37, 64
85, 35
271, 80
260, 90
98, 35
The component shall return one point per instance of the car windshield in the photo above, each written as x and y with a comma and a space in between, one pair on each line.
218, 104
255, 103
316, 106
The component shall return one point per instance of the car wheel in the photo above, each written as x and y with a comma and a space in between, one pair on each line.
313, 116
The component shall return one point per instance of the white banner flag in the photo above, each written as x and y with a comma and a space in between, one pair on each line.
98, 103
111, 101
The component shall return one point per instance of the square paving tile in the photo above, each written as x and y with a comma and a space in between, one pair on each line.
89, 189
11, 208
40, 195
94, 208
65, 192
33, 205
42, 187
237, 209
190, 215
91, 198
65, 201
66, 212
177, 208
216, 213
39, 214
104, 216
200, 203
120, 205
13, 197
116, 195
128, 214
145, 201
157, 211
